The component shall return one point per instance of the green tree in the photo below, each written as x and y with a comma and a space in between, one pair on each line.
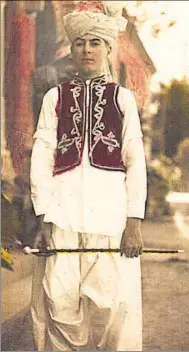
172, 116
176, 126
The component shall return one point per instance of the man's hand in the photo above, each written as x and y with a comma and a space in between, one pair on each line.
42, 240
132, 242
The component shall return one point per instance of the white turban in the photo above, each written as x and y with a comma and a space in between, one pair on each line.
79, 23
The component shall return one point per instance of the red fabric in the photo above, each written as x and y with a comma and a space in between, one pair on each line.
104, 129
20, 65
94, 6
137, 75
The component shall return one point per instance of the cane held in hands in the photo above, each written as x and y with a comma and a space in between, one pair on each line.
49, 252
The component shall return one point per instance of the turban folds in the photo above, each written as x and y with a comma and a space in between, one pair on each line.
77, 24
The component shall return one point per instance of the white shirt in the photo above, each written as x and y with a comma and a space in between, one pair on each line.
87, 199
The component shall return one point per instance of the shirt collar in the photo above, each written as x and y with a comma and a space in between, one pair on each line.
103, 79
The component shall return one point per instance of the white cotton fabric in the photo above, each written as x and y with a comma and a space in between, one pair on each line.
79, 23
87, 199
86, 301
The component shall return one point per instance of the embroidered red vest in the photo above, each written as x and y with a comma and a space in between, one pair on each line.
96, 104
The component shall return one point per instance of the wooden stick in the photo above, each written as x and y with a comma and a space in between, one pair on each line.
44, 251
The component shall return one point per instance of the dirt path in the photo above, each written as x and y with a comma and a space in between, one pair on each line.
165, 290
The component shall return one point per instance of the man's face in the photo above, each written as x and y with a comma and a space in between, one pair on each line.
90, 54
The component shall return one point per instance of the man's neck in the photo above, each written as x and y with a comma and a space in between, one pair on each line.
88, 76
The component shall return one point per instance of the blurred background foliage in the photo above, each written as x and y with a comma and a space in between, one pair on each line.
169, 167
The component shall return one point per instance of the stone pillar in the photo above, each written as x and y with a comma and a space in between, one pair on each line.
20, 66
7, 170
3, 139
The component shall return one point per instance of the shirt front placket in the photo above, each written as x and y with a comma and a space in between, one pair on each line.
85, 164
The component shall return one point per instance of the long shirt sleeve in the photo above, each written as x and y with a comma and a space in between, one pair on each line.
87, 199
43, 154
133, 156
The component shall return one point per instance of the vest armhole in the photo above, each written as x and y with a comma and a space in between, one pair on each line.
59, 101
116, 92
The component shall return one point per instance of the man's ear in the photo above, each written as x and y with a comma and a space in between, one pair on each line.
109, 49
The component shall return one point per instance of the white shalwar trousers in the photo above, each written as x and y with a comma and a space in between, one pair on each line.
83, 301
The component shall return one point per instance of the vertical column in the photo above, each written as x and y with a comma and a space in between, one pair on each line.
3, 139
20, 66
7, 170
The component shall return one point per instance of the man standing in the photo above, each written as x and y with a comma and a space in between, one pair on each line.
88, 181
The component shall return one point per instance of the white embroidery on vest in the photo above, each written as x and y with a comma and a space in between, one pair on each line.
99, 126
110, 141
77, 116
66, 142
